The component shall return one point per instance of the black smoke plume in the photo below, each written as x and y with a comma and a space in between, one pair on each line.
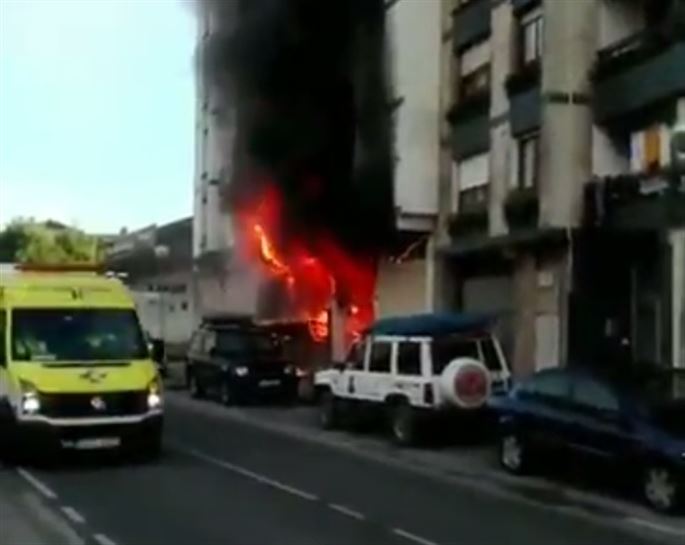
309, 83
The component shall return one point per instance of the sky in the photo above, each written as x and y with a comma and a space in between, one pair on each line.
97, 111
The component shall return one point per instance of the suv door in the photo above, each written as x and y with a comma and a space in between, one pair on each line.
375, 381
599, 427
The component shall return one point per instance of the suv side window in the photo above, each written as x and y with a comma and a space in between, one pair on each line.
450, 348
197, 342
355, 356
490, 355
209, 342
409, 358
593, 395
380, 357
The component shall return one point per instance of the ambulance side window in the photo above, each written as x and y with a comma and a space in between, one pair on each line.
3, 340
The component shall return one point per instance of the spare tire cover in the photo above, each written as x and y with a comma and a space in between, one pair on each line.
465, 382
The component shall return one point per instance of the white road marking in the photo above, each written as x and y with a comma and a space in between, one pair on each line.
37, 484
263, 479
73, 515
412, 537
346, 511
102, 539
663, 528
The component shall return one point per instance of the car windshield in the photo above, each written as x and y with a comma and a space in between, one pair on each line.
81, 335
233, 342
665, 395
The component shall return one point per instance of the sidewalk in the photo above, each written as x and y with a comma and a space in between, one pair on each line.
25, 519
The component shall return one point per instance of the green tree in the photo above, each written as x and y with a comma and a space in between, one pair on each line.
49, 243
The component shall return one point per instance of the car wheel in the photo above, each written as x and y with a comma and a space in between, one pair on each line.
661, 488
513, 453
329, 416
403, 424
226, 394
194, 387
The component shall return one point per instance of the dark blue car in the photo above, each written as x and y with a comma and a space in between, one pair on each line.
636, 423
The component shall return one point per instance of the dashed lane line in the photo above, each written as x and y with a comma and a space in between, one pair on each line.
73, 515
657, 527
44, 489
412, 537
102, 539
262, 479
347, 511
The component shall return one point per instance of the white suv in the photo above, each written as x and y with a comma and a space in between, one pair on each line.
409, 368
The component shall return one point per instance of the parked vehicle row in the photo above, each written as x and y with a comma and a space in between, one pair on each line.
413, 371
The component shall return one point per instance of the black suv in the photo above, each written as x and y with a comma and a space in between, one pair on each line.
235, 361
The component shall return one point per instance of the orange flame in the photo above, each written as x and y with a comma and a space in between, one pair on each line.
314, 272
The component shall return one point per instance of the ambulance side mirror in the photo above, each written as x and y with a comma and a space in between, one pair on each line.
157, 351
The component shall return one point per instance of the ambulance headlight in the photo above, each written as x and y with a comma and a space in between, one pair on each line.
154, 395
30, 401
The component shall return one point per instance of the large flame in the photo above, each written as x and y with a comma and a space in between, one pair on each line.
315, 272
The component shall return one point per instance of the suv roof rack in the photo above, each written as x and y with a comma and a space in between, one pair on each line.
431, 325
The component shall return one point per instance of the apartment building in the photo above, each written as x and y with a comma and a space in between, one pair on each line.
560, 211
222, 283
406, 278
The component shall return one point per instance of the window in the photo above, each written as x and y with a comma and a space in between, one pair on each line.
447, 349
490, 355
547, 385
409, 358
380, 357
532, 31
197, 342
528, 161
590, 394
209, 343
355, 357
473, 176
84, 335
474, 70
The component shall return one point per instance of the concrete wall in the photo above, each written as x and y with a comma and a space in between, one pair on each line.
231, 289
566, 148
617, 20
166, 307
401, 288
415, 30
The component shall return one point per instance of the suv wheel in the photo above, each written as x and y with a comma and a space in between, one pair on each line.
329, 416
194, 387
513, 454
403, 424
225, 394
661, 488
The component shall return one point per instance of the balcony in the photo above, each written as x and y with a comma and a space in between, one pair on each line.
522, 208
638, 73
469, 224
523, 88
470, 134
471, 23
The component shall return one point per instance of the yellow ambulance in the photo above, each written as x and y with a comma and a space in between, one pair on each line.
75, 370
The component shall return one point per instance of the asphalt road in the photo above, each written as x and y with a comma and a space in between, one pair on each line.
226, 482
